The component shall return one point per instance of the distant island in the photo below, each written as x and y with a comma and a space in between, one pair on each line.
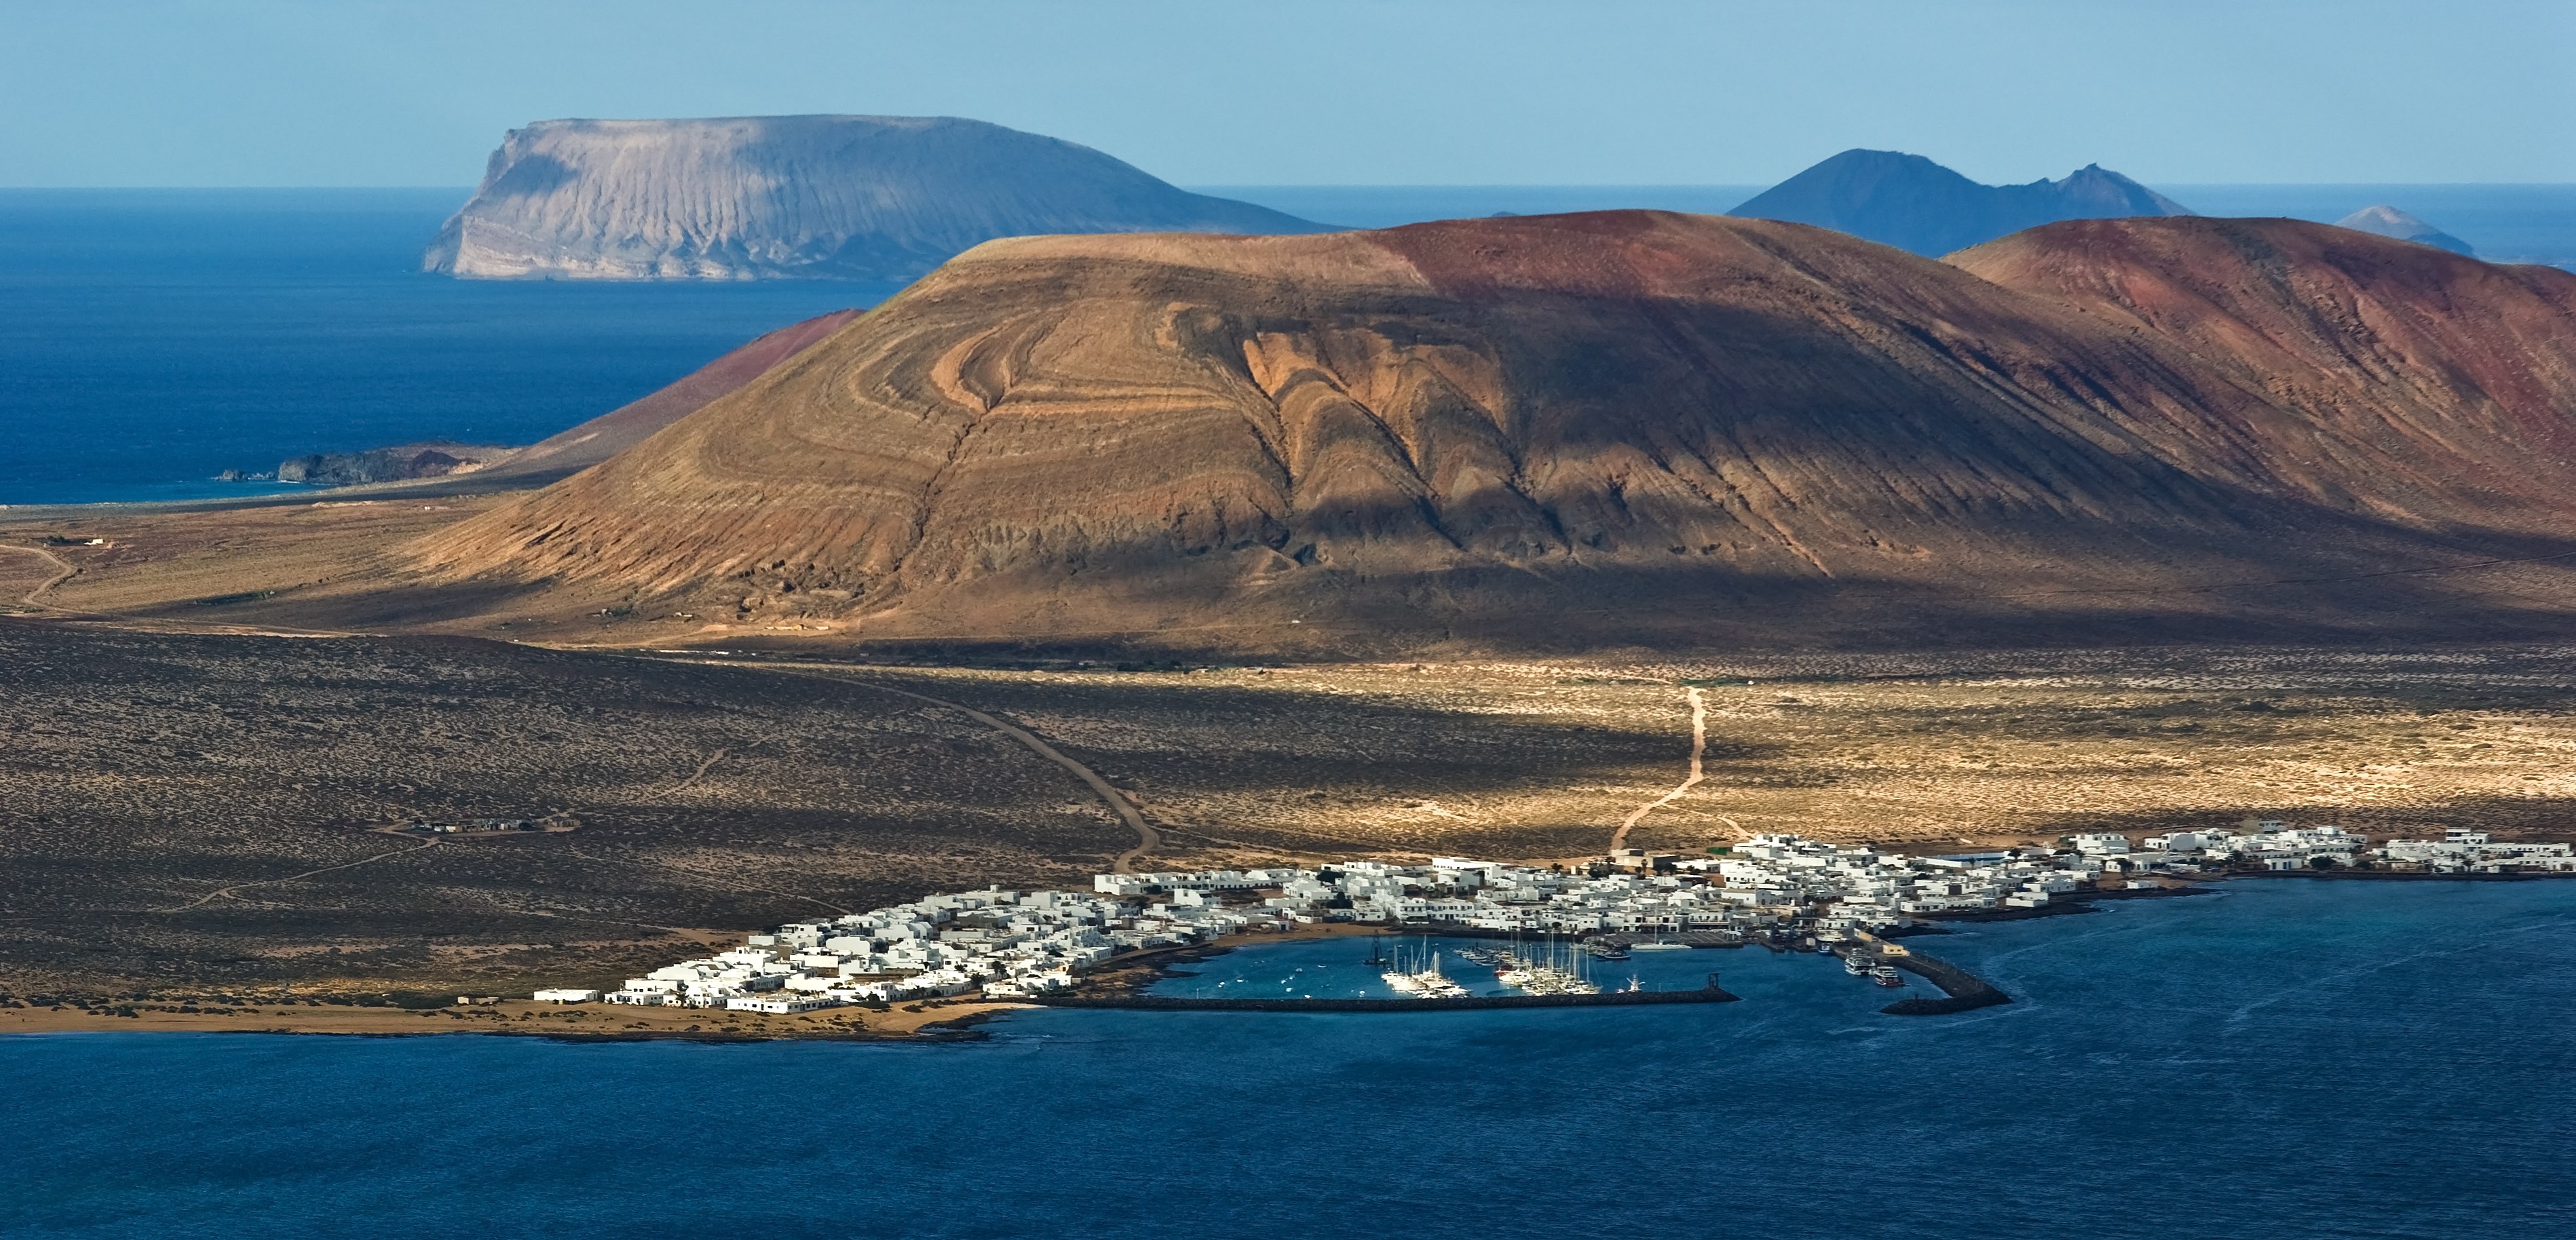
2388, 221
1914, 204
768, 197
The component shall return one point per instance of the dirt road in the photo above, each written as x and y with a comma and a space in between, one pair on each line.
1147, 838
1699, 750
65, 570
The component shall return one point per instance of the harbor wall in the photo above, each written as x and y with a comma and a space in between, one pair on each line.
1961, 991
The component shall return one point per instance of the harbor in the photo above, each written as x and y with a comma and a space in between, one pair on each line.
1461, 931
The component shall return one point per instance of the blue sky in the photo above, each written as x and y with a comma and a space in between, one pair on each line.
346, 92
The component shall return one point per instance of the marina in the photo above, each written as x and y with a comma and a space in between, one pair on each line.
1537, 933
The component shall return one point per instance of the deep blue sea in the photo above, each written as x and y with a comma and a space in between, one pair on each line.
152, 339
2285, 1059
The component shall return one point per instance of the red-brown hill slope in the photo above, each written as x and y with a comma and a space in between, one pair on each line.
1607, 428
2433, 383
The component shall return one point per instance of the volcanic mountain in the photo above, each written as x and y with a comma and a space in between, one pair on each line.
1580, 431
1912, 203
842, 197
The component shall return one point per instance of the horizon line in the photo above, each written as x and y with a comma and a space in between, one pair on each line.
1205, 186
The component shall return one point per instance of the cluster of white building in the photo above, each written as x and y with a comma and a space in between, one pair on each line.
2275, 846
1010, 944
1772, 883
2476, 852
2265, 842
1004, 944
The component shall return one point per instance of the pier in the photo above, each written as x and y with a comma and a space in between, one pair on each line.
1961, 991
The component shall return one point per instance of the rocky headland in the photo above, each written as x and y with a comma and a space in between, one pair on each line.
405, 462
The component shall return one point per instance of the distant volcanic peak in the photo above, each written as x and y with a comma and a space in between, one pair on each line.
2107, 194
857, 197
2388, 221
1912, 203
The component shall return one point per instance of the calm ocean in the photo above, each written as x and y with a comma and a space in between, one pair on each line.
2285, 1059
151, 339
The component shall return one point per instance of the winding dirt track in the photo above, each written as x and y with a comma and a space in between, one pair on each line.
271, 882
1147, 838
67, 571
1699, 749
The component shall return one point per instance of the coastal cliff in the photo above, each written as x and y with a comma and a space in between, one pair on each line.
763, 197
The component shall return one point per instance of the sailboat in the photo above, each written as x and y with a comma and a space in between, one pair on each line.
1428, 982
1558, 972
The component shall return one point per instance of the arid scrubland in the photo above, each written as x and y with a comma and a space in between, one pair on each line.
1530, 760
193, 811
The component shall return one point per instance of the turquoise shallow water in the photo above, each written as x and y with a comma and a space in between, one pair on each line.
2286, 1059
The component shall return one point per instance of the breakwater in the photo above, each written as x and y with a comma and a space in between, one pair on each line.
1961, 991
1471, 1003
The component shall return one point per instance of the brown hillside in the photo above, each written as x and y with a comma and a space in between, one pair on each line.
2427, 375
1567, 431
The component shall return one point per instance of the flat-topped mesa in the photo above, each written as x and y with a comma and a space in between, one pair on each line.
841, 197
1623, 427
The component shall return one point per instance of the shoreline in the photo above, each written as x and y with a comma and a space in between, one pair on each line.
903, 1023
1118, 985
